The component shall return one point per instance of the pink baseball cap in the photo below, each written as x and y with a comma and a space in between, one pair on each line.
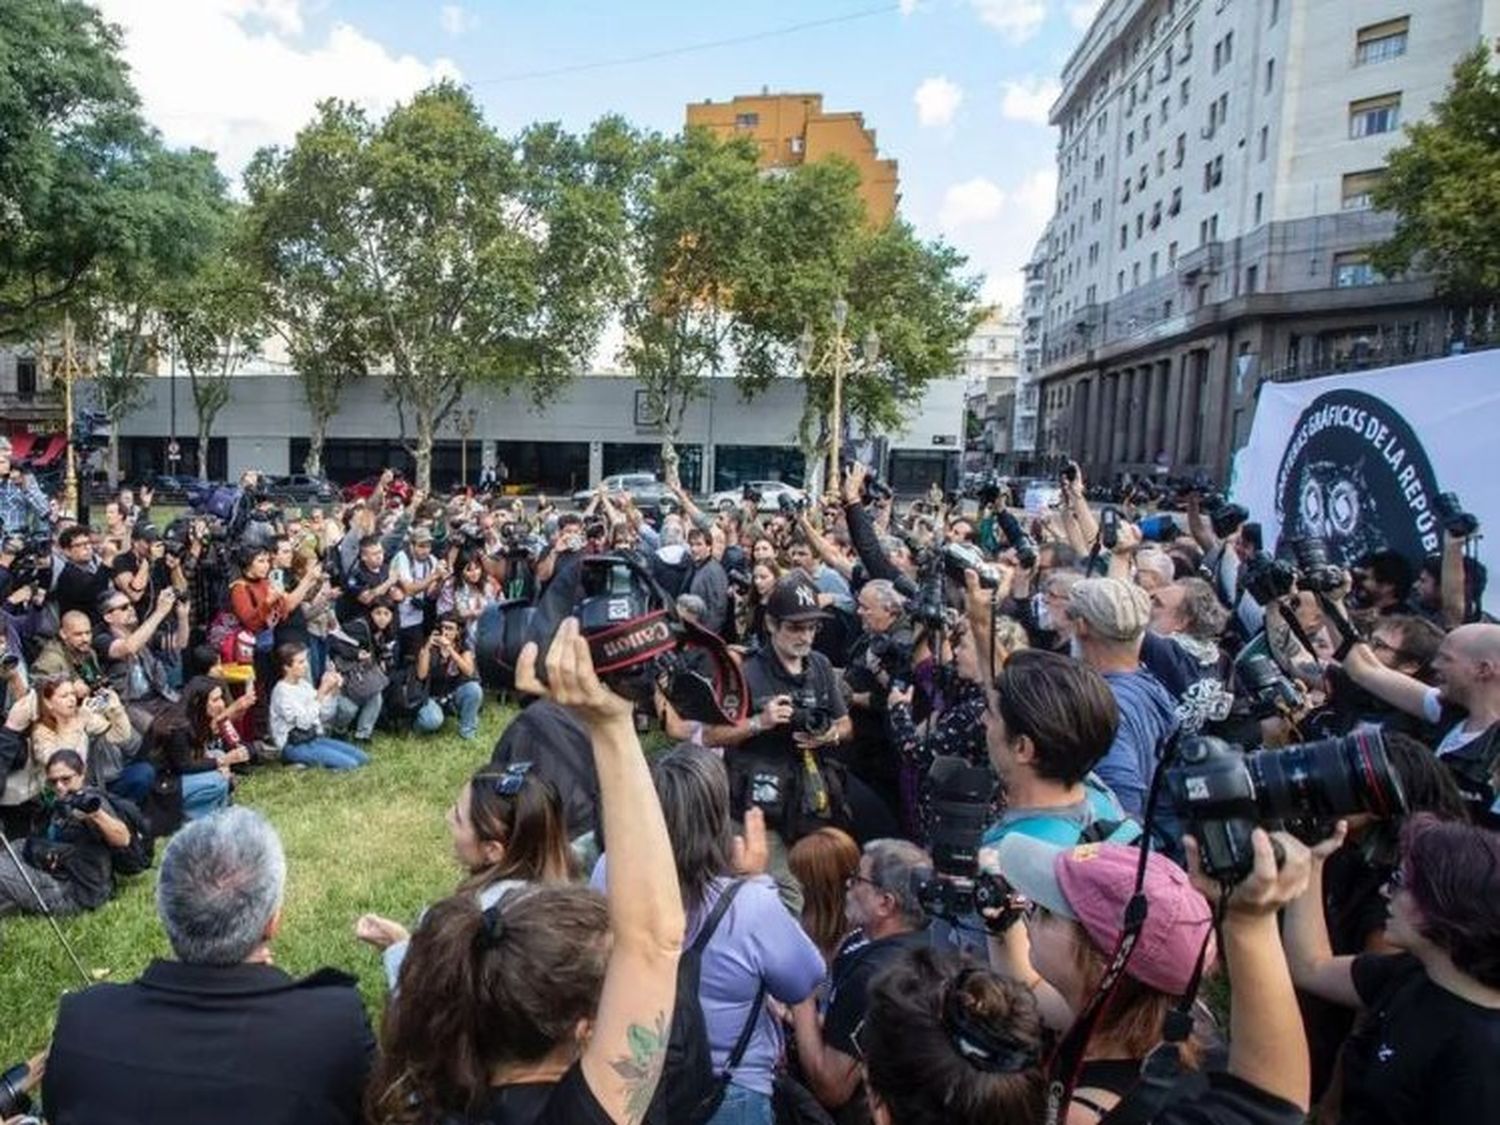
1091, 884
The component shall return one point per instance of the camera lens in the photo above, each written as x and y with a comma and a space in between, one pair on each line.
499, 634
1327, 779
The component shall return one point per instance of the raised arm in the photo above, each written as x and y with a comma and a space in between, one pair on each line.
623, 1059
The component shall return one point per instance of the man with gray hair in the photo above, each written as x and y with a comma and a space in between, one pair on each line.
219, 1034
881, 903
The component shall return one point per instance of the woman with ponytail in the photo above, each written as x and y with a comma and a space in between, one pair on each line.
552, 1006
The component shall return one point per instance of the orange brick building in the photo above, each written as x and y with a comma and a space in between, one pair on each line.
791, 129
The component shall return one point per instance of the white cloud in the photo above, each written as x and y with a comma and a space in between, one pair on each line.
1029, 99
969, 203
908, 7
1081, 13
937, 100
233, 75
455, 20
1017, 20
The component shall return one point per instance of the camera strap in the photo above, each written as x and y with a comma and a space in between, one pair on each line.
1066, 1061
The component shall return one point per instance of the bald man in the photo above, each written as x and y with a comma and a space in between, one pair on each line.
1466, 701
71, 653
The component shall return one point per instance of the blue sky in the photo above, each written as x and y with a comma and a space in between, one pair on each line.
957, 90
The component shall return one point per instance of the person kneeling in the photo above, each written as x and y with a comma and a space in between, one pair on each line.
71, 863
446, 665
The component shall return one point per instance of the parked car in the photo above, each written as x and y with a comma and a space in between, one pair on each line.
178, 482
1041, 495
299, 488
364, 488
645, 489
770, 491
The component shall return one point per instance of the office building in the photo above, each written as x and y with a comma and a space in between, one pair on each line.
792, 129
1213, 221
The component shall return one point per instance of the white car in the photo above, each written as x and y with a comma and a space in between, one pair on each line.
1042, 496
770, 491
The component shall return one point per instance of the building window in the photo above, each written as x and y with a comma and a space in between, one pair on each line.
1352, 269
1166, 109
1161, 162
1252, 278
1275, 12
1264, 143
1124, 235
1125, 194
1129, 142
795, 144
1140, 223
1223, 51
1135, 274
1213, 173
1183, 91
1270, 74
1171, 253
1380, 41
1176, 205
1166, 309
1259, 200
1375, 115
1153, 265
746, 120
1358, 187
1179, 151
1119, 283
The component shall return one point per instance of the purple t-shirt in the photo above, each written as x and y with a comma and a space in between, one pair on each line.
756, 939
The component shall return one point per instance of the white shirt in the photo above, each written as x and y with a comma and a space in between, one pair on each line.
404, 568
1456, 738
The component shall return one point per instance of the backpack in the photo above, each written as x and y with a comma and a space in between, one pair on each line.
690, 1092
673, 577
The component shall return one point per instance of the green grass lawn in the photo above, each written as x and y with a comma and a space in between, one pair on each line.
374, 839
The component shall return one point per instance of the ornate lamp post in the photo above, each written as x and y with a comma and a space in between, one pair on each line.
463, 422
840, 357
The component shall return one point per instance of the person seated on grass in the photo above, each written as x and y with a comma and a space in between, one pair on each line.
87, 838
446, 665
552, 1006
220, 1034
301, 714
508, 831
60, 713
192, 750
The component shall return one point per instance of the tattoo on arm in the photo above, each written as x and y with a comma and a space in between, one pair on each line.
640, 1069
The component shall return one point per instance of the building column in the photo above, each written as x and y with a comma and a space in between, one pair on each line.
1089, 452
1138, 404
1121, 435
1187, 407
1156, 407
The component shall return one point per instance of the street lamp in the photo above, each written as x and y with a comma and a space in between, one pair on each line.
840, 358
463, 422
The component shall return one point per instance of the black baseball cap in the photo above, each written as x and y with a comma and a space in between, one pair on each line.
794, 598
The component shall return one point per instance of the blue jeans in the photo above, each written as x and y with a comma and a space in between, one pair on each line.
203, 793
133, 782
743, 1107
360, 716
464, 700
330, 753
317, 657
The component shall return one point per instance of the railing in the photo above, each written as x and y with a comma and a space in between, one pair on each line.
1470, 329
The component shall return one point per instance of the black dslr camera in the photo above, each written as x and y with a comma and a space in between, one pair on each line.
1024, 545
1223, 792
637, 640
750, 494
1267, 578
792, 505
1316, 570
1456, 521
959, 557
85, 802
960, 795
809, 716
14, 1100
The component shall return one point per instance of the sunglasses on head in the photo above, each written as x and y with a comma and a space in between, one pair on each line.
509, 783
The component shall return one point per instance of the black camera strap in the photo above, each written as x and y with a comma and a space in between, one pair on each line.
1066, 1061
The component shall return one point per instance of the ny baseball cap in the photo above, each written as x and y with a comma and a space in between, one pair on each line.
1091, 884
794, 598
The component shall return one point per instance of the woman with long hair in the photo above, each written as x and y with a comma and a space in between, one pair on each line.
1062, 951
1433, 1006
823, 862
750, 610
553, 1006
192, 746
508, 831
753, 951
467, 592
60, 713
300, 714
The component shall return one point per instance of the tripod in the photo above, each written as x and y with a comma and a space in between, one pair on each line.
45, 909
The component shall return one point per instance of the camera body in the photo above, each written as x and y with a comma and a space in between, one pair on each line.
1109, 529
792, 505
808, 715
1225, 518
1224, 793
1261, 681
85, 802
1267, 578
959, 557
1316, 570
1455, 520
960, 797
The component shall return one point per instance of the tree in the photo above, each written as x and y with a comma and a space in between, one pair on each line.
215, 321
75, 159
303, 225
690, 238
1444, 186
460, 258
180, 204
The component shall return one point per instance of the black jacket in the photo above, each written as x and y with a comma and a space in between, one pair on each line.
235, 1045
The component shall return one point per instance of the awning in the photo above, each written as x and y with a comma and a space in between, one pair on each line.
20, 446
56, 444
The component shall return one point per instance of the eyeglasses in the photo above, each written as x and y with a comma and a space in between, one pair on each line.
1396, 881
115, 607
855, 1040
850, 880
509, 783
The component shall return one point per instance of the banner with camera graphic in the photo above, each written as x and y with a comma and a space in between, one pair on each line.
1363, 460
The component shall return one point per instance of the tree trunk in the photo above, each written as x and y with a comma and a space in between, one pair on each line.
670, 462
313, 466
424, 450
112, 466
205, 427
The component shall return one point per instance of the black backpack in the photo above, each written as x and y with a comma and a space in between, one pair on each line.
689, 1091
674, 578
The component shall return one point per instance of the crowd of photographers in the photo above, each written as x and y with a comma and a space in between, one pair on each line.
965, 811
